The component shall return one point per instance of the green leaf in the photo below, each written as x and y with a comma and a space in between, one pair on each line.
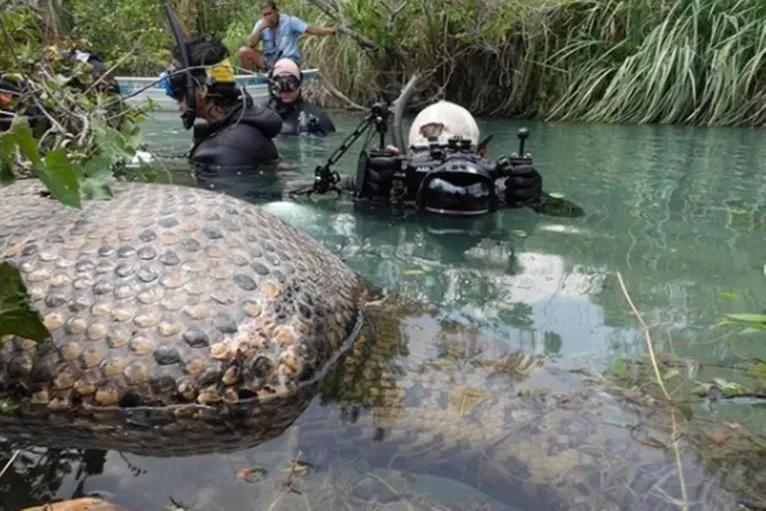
16, 314
97, 178
7, 150
686, 411
619, 367
748, 318
111, 143
25, 139
60, 178
133, 135
730, 388
758, 369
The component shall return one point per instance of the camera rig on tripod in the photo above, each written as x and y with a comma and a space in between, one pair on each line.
325, 179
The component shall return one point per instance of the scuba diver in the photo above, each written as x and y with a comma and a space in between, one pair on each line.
442, 170
286, 98
237, 135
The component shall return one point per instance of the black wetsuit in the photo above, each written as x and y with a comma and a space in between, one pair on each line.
241, 139
302, 117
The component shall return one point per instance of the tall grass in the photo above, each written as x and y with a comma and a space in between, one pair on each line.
637, 61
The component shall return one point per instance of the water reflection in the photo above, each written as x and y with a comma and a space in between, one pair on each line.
421, 405
679, 211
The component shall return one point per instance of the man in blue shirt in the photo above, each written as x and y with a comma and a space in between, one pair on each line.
279, 33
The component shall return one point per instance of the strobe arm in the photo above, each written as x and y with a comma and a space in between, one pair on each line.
326, 179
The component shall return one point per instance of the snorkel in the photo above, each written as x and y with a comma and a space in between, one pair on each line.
190, 115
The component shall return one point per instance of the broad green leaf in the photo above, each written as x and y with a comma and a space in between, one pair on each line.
132, 135
97, 178
60, 178
25, 139
16, 314
111, 143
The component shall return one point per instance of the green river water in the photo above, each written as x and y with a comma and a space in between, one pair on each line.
679, 211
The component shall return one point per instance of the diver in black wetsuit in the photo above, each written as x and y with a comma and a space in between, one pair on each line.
285, 96
237, 135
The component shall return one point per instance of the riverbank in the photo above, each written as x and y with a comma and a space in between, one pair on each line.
632, 61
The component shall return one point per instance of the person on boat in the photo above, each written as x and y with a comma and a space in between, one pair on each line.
286, 98
279, 33
236, 133
447, 171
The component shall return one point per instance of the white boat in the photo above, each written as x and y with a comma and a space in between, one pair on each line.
149, 87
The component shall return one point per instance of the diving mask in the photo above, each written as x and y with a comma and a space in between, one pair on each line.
284, 83
173, 80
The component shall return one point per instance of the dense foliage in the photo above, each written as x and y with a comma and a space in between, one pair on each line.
647, 61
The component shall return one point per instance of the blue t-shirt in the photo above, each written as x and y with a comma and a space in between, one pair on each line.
286, 46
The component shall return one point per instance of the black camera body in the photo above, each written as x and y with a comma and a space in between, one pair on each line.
450, 180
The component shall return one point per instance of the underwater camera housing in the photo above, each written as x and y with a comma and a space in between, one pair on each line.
451, 180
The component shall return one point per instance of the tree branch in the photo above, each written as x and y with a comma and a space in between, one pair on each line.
338, 17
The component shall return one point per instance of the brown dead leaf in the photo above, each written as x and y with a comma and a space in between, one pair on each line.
720, 436
465, 398
84, 504
651, 442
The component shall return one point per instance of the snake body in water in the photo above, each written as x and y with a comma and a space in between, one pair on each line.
186, 322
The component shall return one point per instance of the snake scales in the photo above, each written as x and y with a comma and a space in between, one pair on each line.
182, 320
187, 322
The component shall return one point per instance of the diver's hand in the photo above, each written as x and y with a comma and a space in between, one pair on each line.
523, 184
379, 169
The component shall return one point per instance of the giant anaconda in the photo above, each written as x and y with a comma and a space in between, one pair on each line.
182, 320
187, 322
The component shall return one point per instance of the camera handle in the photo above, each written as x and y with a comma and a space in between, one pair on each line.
326, 179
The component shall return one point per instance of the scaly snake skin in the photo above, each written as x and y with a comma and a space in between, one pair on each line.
187, 322
183, 320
